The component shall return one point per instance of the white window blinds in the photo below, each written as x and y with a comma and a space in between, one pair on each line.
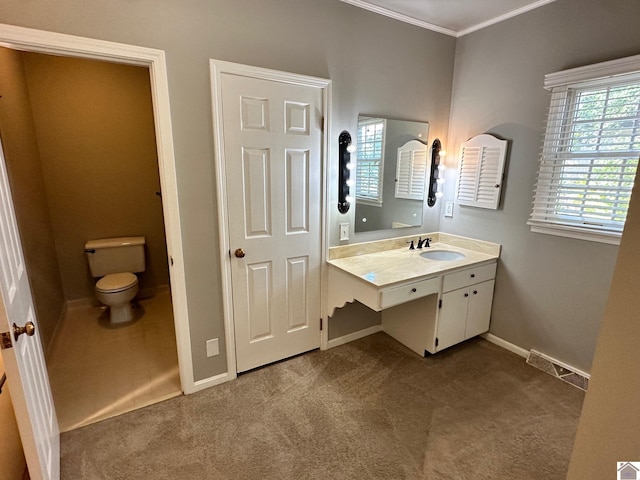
370, 164
480, 173
589, 159
411, 170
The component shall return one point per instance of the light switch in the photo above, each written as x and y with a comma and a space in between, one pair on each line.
344, 232
448, 209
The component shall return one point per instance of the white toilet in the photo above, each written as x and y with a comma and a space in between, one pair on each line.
116, 260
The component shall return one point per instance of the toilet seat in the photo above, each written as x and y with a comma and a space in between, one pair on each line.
116, 282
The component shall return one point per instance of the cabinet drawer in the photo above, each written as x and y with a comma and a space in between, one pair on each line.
406, 293
453, 281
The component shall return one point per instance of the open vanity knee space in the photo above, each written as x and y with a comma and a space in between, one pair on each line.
430, 298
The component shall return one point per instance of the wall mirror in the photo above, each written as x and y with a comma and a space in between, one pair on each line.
392, 161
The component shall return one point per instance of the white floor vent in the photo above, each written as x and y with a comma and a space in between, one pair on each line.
559, 370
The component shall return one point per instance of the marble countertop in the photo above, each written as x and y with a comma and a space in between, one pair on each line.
386, 267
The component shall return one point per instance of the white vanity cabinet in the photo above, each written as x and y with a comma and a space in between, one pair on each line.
465, 305
427, 303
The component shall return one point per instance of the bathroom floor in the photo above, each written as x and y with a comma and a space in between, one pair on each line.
97, 371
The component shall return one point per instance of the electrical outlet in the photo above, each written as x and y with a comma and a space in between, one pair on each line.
213, 348
344, 232
448, 209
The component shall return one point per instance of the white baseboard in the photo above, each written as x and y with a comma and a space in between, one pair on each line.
550, 365
210, 382
506, 345
354, 336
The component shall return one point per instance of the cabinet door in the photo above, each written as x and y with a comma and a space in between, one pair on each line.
479, 314
453, 318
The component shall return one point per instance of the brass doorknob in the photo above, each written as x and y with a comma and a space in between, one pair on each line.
29, 328
239, 253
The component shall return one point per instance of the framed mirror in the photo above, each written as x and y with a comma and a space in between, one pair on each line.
392, 162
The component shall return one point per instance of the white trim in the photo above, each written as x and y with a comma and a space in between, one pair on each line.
326, 155
506, 345
621, 66
611, 238
506, 16
217, 68
335, 342
213, 381
27, 39
399, 16
447, 31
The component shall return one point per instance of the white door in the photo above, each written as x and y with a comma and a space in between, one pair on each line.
272, 134
23, 357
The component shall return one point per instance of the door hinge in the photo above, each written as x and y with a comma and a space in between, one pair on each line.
440, 303
321, 324
436, 341
5, 341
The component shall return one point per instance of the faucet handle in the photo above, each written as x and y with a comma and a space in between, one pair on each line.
411, 247
426, 242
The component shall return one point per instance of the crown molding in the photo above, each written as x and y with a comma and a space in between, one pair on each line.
430, 26
399, 16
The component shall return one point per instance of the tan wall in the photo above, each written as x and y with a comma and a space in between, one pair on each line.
94, 124
610, 421
28, 190
13, 463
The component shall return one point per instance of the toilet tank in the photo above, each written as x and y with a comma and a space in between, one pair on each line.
115, 255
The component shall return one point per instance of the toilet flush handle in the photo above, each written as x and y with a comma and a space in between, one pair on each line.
89, 250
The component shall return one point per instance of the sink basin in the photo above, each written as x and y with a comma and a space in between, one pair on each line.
442, 255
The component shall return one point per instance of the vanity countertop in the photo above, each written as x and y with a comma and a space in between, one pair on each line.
382, 267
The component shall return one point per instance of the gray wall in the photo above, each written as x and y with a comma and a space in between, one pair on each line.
376, 65
550, 291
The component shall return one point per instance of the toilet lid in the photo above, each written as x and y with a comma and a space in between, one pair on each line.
116, 282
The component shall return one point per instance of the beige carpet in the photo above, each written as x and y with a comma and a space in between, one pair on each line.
367, 410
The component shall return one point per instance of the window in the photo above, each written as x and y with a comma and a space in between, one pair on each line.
370, 165
590, 152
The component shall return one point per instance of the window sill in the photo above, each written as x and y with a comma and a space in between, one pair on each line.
611, 238
370, 203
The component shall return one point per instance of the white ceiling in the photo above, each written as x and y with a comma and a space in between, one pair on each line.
453, 17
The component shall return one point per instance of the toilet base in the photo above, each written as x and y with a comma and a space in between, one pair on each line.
120, 314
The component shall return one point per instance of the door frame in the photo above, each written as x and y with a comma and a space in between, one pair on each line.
217, 68
40, 41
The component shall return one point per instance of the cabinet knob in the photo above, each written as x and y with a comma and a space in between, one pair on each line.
466, 294
473, 275
413, 290
475, 292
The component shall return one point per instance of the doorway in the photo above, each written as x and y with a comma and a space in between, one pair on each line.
31, 407
271, 171
91, 173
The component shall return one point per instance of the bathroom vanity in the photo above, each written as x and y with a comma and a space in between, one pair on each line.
430, 298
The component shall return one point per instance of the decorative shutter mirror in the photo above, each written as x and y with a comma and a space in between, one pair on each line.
480, 172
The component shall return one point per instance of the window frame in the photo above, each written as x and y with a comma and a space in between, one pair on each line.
368, 200
562, 85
